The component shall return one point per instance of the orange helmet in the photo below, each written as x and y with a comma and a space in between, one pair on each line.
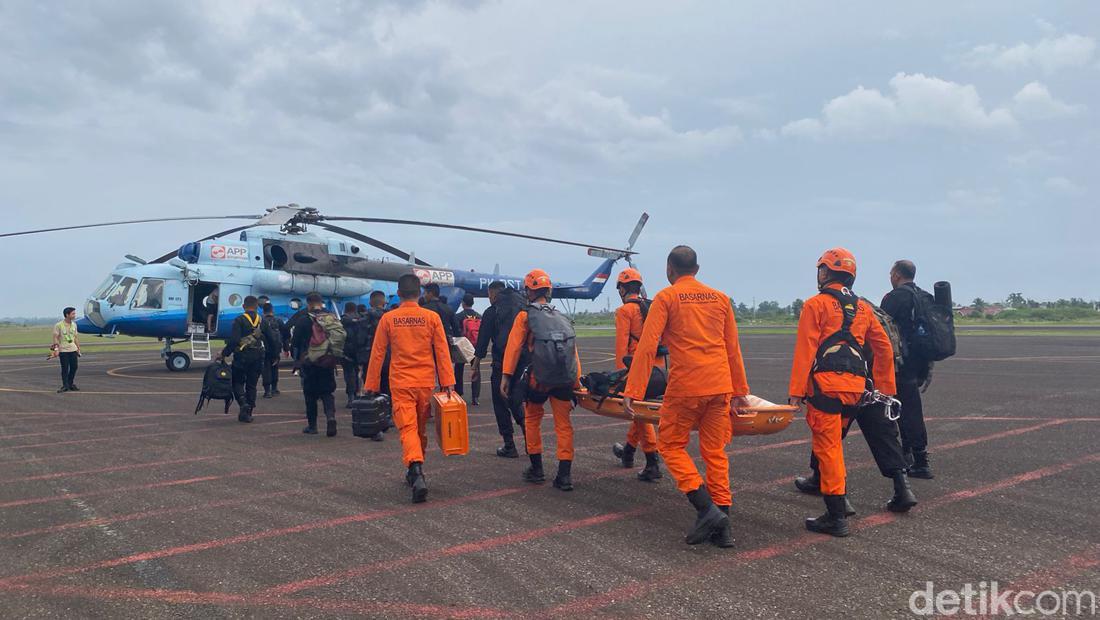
839, 259
630, 274
537, 279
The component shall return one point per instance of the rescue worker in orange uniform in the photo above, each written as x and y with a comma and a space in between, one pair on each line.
830, 376
629, 319
419, 357
696, 324
520, 343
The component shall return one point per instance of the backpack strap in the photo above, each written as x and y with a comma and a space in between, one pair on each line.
849, 306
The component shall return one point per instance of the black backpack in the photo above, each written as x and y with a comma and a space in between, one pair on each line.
273, 338
553, 346
933, 337
217, 384
507, 308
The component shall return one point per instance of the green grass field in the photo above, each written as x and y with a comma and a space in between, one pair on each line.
35, 340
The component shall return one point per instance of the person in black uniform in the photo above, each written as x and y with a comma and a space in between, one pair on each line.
352, 323
496, 324
460, 329
273, 350
318, 383
246, 344
378, 307
914, 372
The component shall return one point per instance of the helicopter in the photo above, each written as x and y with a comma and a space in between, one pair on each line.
276, 256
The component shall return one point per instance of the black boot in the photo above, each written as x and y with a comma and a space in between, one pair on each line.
245, 415
508, 450
267, 393
709, 519
534, 473
920, 468
652, 471
415, 478
351, 399
328, 401
625, 453
564, 479
722, 536
833, 522
903, 498
811, 485
311, 424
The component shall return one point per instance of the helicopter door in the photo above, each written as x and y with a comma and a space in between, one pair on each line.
199, 299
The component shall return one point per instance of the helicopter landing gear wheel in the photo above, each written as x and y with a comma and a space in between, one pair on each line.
177, 361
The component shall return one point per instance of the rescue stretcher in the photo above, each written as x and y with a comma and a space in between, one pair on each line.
761, 417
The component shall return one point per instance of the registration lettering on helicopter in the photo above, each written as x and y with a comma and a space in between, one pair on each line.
428, 276
229, 252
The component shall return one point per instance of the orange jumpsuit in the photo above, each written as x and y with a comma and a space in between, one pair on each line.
419, 358
519, 337
822, 317
628, 331
696, 323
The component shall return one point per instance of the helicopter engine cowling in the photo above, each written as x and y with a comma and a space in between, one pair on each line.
280, 282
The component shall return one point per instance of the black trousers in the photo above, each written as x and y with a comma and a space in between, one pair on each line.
69, 362
914, 436
328, 403
505, 410
352, 381
475, 386
246, 374
881, 435
270, 373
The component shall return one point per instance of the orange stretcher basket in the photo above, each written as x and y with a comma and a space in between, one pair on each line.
451, 425
761, 417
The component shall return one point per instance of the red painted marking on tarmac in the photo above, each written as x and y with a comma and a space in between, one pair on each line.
189, 597
595, 602
461, 549
978, 418
103, 470
77, 430
143, 435
1008, 433
162, 512
261, 535
139, 487
97, 439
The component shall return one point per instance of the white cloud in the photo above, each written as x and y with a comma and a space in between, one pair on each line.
1063, 185
974, 199
1048, 54
916, 101
1035, 101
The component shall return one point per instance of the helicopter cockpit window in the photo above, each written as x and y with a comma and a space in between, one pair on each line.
101, 292
121, 292
150, 294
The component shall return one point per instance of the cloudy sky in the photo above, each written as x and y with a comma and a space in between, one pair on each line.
960, 135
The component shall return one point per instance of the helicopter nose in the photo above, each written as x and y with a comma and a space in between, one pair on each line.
93, 314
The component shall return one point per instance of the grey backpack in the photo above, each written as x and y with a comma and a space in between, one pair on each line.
554, 342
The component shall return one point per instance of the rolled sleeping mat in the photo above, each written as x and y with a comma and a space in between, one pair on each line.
942, 292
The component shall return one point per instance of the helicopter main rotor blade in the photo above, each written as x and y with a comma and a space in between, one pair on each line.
169, 256
123, 223
385, 247
379, 220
